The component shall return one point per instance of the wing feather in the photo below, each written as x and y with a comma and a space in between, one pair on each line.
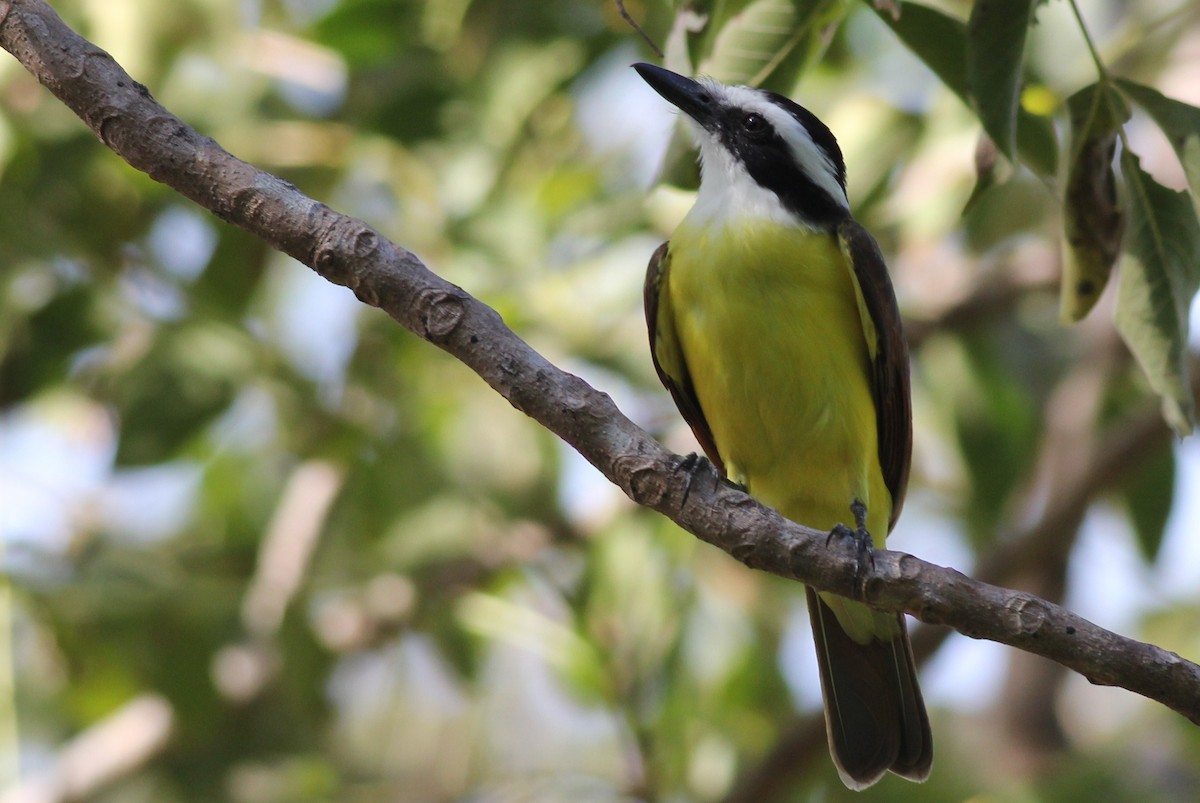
668, 355
890, 382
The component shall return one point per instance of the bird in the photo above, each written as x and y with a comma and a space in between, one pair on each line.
774, 326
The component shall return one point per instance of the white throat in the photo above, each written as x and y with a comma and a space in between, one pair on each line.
728, 192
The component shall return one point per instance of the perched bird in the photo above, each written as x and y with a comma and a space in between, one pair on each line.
774, 326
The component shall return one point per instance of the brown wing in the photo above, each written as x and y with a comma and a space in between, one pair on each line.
889, 368
668, 355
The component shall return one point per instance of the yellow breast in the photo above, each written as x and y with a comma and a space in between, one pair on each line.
771, 331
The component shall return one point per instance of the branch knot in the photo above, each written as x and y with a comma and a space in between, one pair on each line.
1026, 613
440, 314
645, 485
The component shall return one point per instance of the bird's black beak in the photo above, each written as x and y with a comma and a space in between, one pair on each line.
689, 96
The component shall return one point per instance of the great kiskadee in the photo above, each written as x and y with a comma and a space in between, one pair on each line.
774, 326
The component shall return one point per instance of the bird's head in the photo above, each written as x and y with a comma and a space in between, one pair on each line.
761, 155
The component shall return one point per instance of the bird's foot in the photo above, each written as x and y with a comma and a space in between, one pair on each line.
696, 465
864, 544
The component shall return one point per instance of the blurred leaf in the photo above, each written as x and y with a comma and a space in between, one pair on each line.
228, 283
1092, 219
40, 349
520, 622
1148, 498
1179, 121
366, 32
935, 38
630, 614
50, 194
995, 55
996, 420
179, 386
987, 171
940, 41
1006, 211
1037, 144
1159, 277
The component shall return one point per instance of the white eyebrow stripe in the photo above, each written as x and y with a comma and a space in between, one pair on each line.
815, 163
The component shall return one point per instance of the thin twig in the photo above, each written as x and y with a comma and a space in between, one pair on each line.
633, 24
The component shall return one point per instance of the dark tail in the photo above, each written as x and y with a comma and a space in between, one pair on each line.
874, 713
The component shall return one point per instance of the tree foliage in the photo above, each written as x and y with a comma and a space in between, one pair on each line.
325, 562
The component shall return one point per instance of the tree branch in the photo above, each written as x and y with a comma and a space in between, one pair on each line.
348, 252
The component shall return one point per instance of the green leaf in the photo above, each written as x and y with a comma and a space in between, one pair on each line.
732, 40
1159, 276
1148, 499
764, 43
755, 42
697, 24
995, 52
940, 41
1179, 121
749, 46
1092, 219
935, 38
1037, 144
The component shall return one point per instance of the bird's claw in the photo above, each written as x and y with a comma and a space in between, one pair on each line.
690, 462
694, 465
864, 544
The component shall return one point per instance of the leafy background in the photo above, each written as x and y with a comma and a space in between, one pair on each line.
270, 547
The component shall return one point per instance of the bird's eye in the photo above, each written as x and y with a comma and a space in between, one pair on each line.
754, 123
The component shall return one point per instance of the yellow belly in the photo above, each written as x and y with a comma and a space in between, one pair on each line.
770, 328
